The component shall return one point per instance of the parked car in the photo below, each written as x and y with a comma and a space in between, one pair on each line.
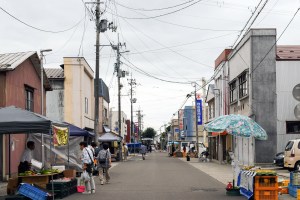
279, 159
292, 155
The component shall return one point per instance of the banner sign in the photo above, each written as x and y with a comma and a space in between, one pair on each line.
180, 116
199, 111
60, 135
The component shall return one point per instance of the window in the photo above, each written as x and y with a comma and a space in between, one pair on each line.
105, 113
289, 146
243, 85
29, 98
211, 111
86, 105
233, 91
293, 127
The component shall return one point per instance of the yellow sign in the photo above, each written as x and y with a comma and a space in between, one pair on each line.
60, 135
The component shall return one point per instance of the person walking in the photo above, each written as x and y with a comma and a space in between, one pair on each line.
143, 151
125, 151
104, 163
87, 165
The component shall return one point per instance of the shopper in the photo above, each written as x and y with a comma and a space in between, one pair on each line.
143, 151
125, 151
87, 165
104, 163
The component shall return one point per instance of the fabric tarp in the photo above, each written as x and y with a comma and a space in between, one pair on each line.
107, 137
17, 120
76, 131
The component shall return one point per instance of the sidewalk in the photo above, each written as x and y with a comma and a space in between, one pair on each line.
223, 173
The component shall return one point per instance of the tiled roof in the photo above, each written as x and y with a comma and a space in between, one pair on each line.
55, 73
9, 61
288, 52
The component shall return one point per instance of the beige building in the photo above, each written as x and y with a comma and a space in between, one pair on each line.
72, 99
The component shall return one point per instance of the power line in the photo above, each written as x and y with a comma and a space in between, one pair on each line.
39, 29
161, 15
155, 9
137, 69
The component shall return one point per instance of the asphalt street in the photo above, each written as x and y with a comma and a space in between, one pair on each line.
158, 177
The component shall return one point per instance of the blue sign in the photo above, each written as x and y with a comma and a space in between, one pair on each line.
199, 111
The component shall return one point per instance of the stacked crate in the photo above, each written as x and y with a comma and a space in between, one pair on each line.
63, 189
294, 185
266, 188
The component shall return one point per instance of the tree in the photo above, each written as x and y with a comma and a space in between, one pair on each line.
149, 133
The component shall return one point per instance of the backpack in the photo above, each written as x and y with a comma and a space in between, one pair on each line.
102, 157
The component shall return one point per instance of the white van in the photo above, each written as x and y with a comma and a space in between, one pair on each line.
292, 155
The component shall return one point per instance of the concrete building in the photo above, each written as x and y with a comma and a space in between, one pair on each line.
104, 101
20, 86
220, 143
288, 94
189, 129
114, 124
252, 86
175, 130
72, 100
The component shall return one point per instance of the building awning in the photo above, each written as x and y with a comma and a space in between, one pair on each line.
218, 133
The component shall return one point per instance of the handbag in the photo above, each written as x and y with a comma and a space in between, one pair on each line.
90, 167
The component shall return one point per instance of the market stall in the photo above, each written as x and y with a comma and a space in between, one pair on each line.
16, 120
240, 127
113, 141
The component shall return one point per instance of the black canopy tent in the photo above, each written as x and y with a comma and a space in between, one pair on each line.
16, 120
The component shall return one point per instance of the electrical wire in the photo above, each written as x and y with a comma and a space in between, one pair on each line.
155, 9
165, 47
161, 15
39, 29
83, 34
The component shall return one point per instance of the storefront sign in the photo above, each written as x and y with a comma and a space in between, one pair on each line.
180, 114
60, 135
199, 111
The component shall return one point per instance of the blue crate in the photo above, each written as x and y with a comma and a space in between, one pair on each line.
32, 192
293, 190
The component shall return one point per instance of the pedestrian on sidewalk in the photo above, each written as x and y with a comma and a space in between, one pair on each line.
95, 149
87, 166
143, 151
104, 163
125, 151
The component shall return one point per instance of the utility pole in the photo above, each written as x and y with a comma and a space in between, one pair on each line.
196, 121
96, 81
120, 74
132, 83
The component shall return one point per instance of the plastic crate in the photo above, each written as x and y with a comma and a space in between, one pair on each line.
284, 183
293, 190
266, 183
265, 195
295, 178
58, 185
32, 192
59, 194
16, 197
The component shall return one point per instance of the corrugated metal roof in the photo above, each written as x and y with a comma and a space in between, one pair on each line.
288, 52
55, 73
9, 61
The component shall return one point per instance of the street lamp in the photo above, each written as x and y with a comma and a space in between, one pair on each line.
42, 97
42, 78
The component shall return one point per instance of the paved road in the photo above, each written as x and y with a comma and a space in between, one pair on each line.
158, 177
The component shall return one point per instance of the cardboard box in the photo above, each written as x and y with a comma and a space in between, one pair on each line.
12, 186
70, 173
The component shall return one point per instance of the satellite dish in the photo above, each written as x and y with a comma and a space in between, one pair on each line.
297, 111
296, 92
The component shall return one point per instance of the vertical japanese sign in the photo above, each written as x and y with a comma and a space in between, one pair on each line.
60, 135
199, 110
180, 114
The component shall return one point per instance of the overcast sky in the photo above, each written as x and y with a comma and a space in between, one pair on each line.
178, 42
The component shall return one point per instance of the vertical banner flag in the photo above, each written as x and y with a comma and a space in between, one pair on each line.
199, 109
180, 114
60, 135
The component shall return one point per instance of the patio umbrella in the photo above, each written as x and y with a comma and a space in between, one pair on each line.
237, 125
